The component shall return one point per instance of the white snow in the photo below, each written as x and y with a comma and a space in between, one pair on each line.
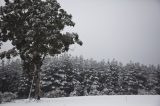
121, 100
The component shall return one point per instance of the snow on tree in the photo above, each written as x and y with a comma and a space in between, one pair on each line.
157, 88
9, 76
134, 78
34, 28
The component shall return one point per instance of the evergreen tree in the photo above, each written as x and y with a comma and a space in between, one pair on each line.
113, 77
9, 76
158, 80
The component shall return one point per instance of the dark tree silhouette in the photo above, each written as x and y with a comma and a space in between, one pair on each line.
34, 28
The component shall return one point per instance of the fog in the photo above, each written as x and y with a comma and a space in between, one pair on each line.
121, 29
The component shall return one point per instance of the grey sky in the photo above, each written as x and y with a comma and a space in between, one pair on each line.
121, 29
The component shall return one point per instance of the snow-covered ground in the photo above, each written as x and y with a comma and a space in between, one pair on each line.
121, 100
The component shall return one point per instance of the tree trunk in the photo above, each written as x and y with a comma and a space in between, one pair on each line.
37, 81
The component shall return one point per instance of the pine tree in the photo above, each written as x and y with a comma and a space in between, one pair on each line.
158, 80
9, 76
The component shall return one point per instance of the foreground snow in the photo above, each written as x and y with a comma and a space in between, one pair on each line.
121, 100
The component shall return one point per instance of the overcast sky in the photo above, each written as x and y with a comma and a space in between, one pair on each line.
121, 29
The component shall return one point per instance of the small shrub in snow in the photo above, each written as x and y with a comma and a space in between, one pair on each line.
0, 97
8, 96
55, 93
105, 91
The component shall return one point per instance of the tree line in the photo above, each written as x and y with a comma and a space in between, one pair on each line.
66, 75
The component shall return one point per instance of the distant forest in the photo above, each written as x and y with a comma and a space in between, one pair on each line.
66, 75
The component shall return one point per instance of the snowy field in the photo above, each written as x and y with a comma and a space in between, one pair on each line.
91, 101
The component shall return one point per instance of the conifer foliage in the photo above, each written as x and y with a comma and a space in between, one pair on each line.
65, 75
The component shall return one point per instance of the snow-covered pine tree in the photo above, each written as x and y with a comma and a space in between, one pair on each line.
134, 79
113, 77
9, 76
59, 74
158, 80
